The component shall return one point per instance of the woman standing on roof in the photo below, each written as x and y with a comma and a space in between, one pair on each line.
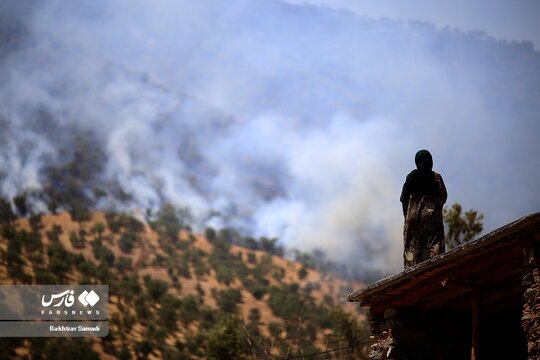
423, 197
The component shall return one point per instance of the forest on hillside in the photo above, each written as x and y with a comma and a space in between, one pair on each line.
178, 295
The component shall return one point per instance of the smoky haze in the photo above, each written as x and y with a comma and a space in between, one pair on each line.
286, 121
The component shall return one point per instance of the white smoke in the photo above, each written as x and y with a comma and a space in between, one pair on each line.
287, 121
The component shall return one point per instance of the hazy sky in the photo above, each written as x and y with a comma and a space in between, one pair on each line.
503, 19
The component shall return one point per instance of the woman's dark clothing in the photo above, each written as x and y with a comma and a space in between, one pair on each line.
423, 197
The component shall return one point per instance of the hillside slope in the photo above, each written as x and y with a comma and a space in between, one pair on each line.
171, 291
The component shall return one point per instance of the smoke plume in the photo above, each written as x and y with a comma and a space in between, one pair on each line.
281, 120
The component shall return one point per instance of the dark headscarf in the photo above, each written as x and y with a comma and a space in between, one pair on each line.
423, 160
420, 181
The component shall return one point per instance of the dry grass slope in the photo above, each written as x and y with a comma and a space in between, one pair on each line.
168, 292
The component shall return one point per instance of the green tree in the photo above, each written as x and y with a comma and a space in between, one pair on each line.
56, 348
78, 211
254, 315
20, 204
257, 287
461, 227
189, 309
98, 229
59, 261
15, 262
78, 241
127, 241
156, 288
7, 216
210, 234
54, 234
168, 311
229, 299
69, 181
270, 246
169, 221
302, 272
285, 302
35, 222
144, 348
102, 252
348, 332
124, 354
226, 340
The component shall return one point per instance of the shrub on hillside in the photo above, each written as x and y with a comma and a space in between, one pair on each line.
156, 288
54, 234
78, 211
69, 348
123, 263
200, 266
143, 348
183, 267
270, 246
127, 241
348, 332
210, 234
20, 204
302, 272
229, 299
251, 258
14, 251
168, 311
169, 221
7, 216
189, 309
141, 309
285, 302
78, 241
123, 221
129, 287
60, 261
102, 253
226, 341
254, 315
257, 288
45, 277
35, 222
97, 230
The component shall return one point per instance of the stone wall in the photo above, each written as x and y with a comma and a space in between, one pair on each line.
386, 347
410, 335
531, 313
416, 335
401, 336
